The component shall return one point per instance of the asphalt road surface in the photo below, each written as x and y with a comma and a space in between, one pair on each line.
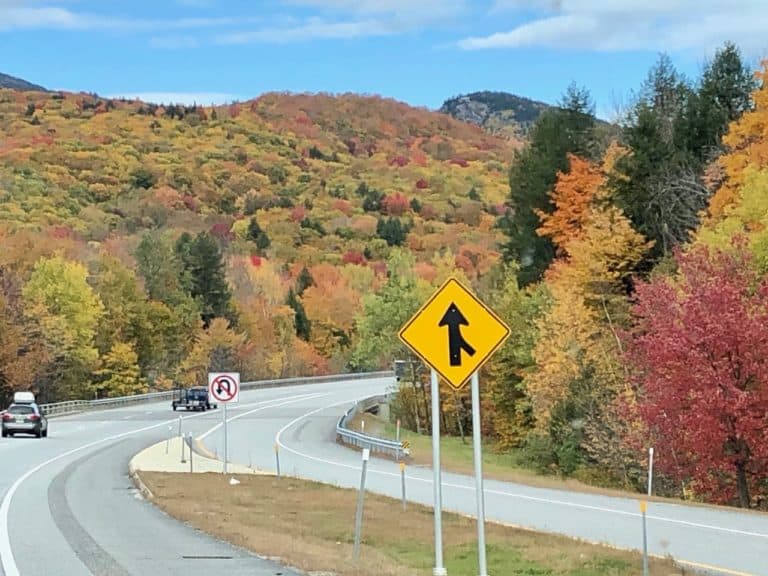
708, 539
69, 508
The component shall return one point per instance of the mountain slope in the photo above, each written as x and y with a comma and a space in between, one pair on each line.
321, 173
13, 83
497, 112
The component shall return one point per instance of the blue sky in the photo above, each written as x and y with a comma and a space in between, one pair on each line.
418, 51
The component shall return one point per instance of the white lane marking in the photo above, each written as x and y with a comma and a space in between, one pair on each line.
500, 492
7, 559
233, 418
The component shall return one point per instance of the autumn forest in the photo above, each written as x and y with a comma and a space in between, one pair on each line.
294, 234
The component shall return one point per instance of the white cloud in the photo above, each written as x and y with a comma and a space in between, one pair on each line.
420, 9
347, 19
17, 14
314, 28
613, 25
186, 98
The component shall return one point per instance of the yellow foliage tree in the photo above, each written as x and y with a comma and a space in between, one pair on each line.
572, 197
219, 348
747, 144
120, 374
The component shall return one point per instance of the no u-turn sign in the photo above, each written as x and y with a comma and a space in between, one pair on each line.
224, 387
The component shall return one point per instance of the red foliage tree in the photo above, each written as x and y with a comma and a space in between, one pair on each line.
298, 213
353, 257
395, 204
700, 359
399, 161
222, 231
343, 206
422, 184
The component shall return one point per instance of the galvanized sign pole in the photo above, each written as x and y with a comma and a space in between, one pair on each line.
455, 333
226, 451
477, 447
439, 569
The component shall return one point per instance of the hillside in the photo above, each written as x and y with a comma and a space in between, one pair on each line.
497, 112
13, 83
113, 169
294, 207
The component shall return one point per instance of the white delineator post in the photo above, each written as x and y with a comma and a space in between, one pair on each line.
439, 569
226, 452
360, 501
650, 470
478, 454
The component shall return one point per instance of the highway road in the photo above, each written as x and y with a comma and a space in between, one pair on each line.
68, 507
711, 540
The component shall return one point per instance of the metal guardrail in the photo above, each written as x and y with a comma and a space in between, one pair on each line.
360, 440
73, 406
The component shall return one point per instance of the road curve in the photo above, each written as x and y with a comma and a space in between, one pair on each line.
68, 507
708, 539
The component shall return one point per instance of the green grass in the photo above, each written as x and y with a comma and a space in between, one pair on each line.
457, 456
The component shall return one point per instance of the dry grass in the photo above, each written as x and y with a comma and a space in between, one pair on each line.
310, 526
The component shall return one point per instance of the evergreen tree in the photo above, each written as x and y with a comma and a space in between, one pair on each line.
203, 266
557, 132
304, 281
303, 325
673, 131
257, 235
391, 230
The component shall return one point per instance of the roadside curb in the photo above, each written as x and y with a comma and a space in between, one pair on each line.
139, 483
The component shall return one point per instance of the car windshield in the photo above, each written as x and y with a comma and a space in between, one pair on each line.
20, 409
197, 394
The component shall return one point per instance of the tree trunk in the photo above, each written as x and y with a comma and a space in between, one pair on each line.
741, 484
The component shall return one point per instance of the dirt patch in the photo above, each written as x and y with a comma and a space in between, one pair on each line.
311, 526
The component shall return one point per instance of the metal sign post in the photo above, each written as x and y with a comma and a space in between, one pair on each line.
226, 447
477, 447
439, 569
224, 387
455, 333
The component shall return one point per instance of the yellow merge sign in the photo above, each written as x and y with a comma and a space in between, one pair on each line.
454, 332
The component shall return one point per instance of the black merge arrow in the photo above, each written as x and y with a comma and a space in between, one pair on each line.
454, 319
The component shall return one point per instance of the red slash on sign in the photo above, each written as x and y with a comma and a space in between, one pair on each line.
224, 387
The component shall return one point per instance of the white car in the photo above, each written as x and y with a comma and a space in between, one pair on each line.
24, 418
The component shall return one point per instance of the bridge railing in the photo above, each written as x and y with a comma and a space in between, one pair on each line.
73, 406
361, 440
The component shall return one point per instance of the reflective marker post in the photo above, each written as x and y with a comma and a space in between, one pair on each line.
225, 438
650, 470
402, 483
439, 569
477, 446
643, 508
360, 500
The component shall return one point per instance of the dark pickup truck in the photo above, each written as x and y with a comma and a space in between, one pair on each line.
196, 398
